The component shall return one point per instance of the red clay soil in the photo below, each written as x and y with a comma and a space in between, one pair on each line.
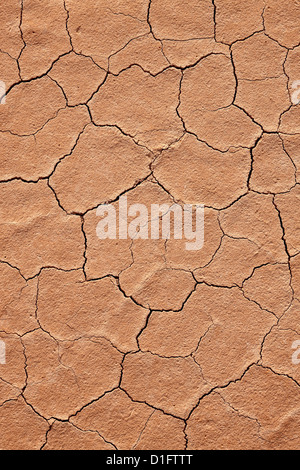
141, 343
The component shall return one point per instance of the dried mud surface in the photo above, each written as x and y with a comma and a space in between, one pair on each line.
141, 344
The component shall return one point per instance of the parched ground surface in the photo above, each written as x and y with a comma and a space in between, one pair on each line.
141, 344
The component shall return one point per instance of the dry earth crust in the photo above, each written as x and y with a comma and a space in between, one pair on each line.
141, 344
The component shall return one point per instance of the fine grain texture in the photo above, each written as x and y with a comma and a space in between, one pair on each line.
135, 341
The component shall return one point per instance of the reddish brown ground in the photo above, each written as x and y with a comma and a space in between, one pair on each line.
121, 344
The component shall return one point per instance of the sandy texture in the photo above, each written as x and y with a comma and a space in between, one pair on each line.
140, 343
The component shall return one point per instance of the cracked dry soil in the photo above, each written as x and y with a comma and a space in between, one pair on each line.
140, 344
